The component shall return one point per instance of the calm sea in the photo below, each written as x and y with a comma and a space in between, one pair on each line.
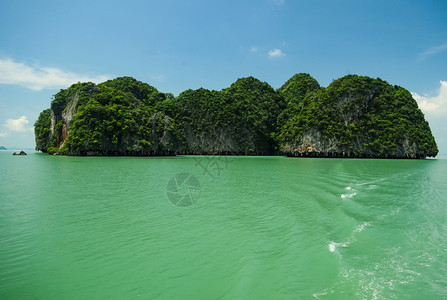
222, 228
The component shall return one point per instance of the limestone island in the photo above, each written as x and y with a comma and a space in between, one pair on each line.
355, 116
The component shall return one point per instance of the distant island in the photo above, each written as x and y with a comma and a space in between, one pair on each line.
3, 148
355, 116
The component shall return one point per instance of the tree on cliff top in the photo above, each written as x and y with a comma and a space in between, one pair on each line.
256, 106
294, 91
296, 88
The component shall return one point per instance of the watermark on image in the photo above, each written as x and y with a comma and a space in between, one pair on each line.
212, 165
183, 189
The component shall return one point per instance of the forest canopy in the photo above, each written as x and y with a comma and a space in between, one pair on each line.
355, 116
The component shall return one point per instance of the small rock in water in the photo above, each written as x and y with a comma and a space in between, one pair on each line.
19, 153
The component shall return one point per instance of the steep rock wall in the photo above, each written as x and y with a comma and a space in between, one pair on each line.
359, 117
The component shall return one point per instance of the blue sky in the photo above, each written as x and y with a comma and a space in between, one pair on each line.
176, 45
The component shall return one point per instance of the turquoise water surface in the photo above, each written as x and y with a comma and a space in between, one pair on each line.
202, 227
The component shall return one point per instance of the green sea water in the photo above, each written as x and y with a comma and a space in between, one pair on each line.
201, 227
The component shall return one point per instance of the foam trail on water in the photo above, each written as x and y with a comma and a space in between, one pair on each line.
361, 227
372, 182
322, 293
348, 195
345, 196
333, 245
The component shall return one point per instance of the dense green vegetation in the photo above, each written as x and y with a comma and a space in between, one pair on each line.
361, 116
42, 130
294, 91
116, 117
240, 119
356, 115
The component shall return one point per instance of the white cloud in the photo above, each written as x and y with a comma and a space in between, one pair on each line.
39, 78
18, 125
436, 105
3, 134
276, 53
254, 49
435, 50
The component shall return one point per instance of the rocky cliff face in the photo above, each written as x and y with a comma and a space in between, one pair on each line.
353, 117
112, 118
220, 141
359, 117
60, 121
239, 120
